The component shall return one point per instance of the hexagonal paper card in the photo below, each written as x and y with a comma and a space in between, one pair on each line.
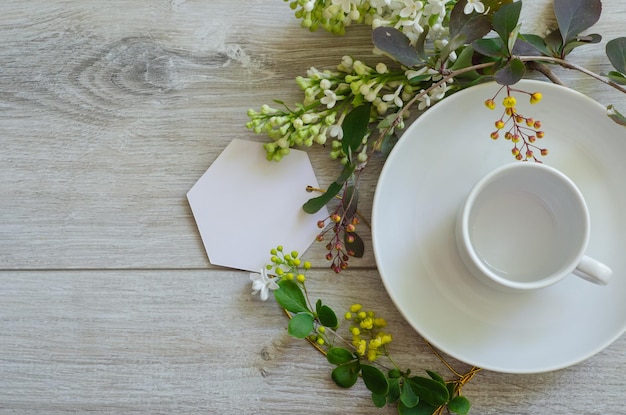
245, 205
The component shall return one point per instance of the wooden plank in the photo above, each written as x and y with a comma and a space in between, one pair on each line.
197, 342
110, 117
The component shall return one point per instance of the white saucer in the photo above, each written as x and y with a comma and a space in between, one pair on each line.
421, 187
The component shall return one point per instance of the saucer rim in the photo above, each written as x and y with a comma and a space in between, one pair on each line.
479, 92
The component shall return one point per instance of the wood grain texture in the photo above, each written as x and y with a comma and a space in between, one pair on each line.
109, 113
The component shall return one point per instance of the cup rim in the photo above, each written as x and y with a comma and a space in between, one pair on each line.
474, 257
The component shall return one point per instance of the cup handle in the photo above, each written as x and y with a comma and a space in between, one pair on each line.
593, 270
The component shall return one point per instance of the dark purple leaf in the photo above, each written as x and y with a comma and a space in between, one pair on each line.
395, 44
505, 20
492, 47
575, 16
512, 72
473, 26
530, 45
616, 52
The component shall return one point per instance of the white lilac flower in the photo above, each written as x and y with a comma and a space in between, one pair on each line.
262, 283
346, 5
411, 8
424, 101
474, 5
415, 25
395, 97
335, 131
435, 7
439, 92
329, 99
309, 5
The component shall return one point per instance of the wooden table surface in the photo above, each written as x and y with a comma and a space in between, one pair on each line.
109, 113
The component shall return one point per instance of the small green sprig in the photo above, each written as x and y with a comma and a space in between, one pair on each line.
367, 355
329, 97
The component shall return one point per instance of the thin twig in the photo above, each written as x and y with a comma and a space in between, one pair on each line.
547, 72
570, 65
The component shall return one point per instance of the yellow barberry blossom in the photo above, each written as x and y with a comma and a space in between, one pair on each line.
380, 322
367, 323
372, 355
535, 97
376, 342
509, 102
361, 347
355, 308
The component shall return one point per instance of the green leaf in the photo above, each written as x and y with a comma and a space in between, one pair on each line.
290, 297
492, 47
395, 44
494, 5
318, 305
505, 20
554, 43
394, 390
420, 45
454, 43
436, 376
355, 127
301, 325
394, 373
339, 356
422, 408
512, 72
472, 26
356, 248
327, 317
581, 41
513, 38
347, 171
315, 204
347, 374
379, 400
429, 390
451, 386
408, 396
459, 405
375, 380
615, 115
616, 52
575, 16
537, 42
350, 201
464, 59
617, 77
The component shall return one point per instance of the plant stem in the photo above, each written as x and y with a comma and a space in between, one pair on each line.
570, 65
547, 72
405, 108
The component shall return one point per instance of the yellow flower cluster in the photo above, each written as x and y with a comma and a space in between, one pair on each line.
367, 336
523, 131
291, 262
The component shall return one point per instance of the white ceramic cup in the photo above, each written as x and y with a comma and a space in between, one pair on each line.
525, 226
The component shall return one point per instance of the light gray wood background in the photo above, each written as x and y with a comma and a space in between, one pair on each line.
109, 112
